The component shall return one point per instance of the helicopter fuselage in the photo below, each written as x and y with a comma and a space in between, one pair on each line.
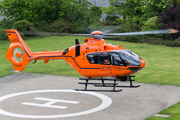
95, 58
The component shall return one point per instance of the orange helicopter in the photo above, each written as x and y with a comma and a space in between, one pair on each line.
94, 59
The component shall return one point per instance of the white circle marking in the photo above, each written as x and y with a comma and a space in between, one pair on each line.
106, 101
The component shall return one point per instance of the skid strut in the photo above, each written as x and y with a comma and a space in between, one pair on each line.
103, 84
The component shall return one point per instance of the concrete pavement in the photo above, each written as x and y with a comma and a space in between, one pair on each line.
26, 96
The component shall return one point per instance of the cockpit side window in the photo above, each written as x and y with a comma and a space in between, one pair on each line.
115, 60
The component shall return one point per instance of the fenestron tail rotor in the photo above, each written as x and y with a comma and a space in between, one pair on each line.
17, 54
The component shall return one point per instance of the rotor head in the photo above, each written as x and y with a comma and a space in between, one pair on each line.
97, 35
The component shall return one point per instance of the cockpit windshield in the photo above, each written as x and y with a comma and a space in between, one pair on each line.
129, 57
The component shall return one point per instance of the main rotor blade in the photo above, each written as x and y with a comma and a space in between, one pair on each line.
170, 31
50, 33
145, 32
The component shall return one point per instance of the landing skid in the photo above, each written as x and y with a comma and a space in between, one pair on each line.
98, 90
103, 84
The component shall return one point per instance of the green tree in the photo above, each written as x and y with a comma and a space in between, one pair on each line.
170, 19
81, 13
33, 10
143, 9
151, 24
77, 12
96, 11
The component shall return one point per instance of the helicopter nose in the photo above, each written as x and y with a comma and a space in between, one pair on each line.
136, 69
142, 64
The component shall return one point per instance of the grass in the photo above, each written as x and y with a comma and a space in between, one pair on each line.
162, 63
5, 64
173, 111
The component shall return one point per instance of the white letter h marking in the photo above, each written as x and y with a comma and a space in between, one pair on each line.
50, 103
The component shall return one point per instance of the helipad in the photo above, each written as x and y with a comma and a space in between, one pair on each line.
36, 96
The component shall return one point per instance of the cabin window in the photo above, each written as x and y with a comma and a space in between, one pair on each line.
93, 58
106, 58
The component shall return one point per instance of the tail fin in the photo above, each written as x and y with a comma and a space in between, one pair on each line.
18, 53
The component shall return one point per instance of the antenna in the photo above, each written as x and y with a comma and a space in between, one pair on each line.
76, 41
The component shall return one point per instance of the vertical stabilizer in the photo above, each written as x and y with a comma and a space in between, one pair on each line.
18, 53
